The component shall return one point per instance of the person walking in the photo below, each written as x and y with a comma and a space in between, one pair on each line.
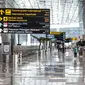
75, 50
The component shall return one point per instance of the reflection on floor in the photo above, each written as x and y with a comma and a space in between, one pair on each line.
47, 69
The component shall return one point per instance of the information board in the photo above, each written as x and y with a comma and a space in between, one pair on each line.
24, 20
50, 36
55, 33
60, 36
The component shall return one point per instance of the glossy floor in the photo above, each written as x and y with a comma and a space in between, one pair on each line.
51, 68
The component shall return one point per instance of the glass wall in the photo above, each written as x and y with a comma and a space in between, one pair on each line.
72, 32
27, 39
21, 39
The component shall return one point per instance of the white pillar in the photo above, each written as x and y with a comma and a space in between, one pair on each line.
28, 39
15, 63
7, 63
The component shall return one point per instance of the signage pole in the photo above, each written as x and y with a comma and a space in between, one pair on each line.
12, 43
18, 39
46, 42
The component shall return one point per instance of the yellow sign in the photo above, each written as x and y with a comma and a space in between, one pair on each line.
55, 33
8, 11
1, 12
5, 18
0, 18
74, 38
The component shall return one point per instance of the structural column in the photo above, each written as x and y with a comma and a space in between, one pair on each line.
83, 7
6, 38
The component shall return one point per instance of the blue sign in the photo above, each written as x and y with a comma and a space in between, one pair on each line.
50, 36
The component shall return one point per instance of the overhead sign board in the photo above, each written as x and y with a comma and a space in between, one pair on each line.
55, 33
60, 36
50, 36
25, 20
74, 38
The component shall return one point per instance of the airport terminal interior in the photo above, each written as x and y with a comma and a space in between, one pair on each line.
42, 42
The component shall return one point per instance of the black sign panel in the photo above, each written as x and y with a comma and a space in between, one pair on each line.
25, 20
61, 36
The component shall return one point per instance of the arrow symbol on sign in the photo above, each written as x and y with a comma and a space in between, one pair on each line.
1, 12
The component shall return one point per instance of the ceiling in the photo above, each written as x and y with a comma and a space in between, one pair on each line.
61, 11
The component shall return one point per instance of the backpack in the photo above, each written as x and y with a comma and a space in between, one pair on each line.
75, 50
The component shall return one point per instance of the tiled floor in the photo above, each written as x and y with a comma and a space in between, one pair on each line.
47, 69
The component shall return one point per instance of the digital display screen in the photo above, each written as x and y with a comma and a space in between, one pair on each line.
60, 36
25, 20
